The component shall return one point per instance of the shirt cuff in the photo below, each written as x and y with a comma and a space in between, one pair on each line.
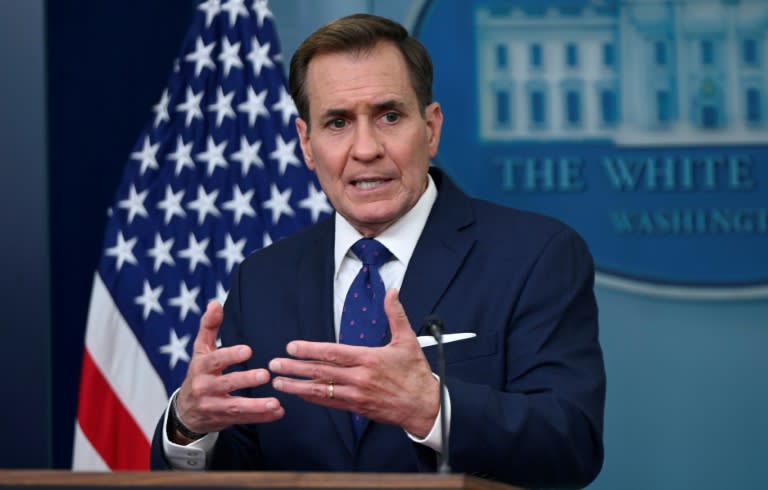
434, 440
192, 456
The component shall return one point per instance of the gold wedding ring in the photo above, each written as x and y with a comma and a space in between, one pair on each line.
330, 390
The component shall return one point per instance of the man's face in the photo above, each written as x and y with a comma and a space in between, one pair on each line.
369, 143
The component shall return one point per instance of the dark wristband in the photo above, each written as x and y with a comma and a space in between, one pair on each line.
180, 427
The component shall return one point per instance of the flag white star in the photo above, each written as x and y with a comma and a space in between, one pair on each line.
254, 105
176, 348
278, 203
161, 252
240, 204
222, 106
186, 301
211, 9
150, 299
134, 203
147, 155
213, 155
235, 8
315, 202
205, 204
172, 204
221, 293
195, 252
161, 109
232, 252
259, 56
191, 106
266, 240
230, 56
123, 251
248, 155
262, 11
286, 106
285, 154
182, 156
201, 56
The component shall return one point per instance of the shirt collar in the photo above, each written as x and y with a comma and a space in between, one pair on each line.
400, 238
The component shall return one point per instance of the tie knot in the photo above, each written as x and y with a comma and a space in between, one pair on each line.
371, 251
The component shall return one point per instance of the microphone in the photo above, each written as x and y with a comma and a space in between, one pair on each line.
434, 326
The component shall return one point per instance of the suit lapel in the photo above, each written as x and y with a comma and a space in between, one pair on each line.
316, 308
315, 281
445, 242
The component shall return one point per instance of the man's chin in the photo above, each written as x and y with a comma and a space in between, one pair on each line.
373, 222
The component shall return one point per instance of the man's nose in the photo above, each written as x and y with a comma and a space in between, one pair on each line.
367, 145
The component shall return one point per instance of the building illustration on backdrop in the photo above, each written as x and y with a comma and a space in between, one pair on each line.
632, 72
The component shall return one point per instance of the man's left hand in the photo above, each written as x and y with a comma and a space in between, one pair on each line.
392, 384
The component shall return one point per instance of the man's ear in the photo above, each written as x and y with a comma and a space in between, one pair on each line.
434, 118
303, 129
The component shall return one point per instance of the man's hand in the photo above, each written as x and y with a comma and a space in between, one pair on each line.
392, 384
204, 403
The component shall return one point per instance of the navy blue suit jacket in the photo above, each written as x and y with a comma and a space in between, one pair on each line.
527, 393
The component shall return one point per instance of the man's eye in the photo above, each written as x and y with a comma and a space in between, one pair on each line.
391, 117
337, 123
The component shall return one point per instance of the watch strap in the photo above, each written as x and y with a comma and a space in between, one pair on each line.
179, 426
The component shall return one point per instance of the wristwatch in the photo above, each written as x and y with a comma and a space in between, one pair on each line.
177, 425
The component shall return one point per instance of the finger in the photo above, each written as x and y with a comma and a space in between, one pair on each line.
318, 392
399, 324
255, 410
230, 382
309, 370
220, 359
209, 328
224, 412
332, 353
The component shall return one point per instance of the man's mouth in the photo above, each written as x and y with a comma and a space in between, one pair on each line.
368, 184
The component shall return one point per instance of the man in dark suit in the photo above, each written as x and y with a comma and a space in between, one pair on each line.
525, 395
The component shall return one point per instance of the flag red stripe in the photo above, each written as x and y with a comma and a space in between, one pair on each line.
106, 423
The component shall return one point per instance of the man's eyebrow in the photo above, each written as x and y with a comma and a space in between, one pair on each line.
387, 105
334, 113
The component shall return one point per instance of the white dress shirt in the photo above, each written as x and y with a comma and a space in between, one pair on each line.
400, 239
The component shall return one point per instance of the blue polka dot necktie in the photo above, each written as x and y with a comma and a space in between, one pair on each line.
363, 321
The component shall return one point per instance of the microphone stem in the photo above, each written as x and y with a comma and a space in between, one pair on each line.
443, 467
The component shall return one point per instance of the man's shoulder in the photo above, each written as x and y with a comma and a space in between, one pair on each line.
491, 212
456, 204
509, 232
493, 221
496, 215
290, 248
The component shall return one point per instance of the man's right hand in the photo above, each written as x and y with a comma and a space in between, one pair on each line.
204, 403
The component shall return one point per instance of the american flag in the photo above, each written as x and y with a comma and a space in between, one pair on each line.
216, 174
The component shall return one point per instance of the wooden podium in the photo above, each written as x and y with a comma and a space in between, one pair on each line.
167, 480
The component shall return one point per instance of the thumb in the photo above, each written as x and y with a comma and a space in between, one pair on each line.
399, 325
209, 328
